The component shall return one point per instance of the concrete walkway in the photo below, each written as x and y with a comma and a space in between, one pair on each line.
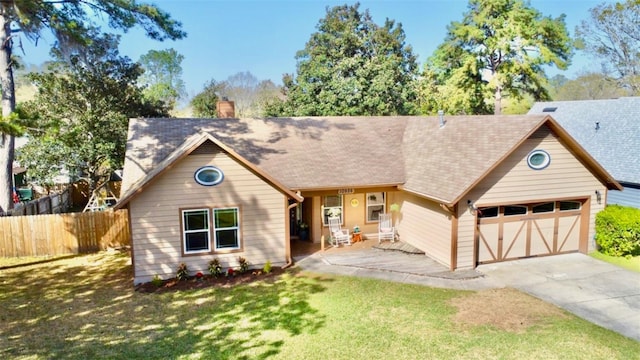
596, 291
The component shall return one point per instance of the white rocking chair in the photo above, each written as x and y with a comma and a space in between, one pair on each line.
386, 231
338, 234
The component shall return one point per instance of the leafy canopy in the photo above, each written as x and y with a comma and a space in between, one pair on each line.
499, 49
73, 23
163, 76
80, 113
612, 36
205, 102
351, 66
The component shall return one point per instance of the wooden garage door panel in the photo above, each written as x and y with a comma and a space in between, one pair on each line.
514, 240
488, 242
569, 233
542, 231
545, 229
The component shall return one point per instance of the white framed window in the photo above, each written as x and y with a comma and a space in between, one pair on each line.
208, 176
226, 228
375, 205
332, 208
195, 231
200, 226
538, 159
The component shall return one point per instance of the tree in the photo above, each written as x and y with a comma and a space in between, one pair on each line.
204, 104
351, 66
163, 76
498, 49
612, 35
250, 95
81, 111
72, 23
590, 86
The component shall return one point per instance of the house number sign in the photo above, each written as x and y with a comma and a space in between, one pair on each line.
345, 191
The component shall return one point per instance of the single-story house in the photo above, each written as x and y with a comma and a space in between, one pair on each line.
609, 130
464, 189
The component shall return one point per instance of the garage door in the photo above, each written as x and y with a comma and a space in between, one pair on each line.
511, 232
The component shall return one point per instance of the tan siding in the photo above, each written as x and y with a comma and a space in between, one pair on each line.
425, 225
155, 217
513, 182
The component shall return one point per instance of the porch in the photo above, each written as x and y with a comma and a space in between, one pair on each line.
396, 261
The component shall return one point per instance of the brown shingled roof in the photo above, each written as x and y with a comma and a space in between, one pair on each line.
301, 153
444, 162
415, 153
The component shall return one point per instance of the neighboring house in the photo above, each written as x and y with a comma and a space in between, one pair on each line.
610, 131
468, 189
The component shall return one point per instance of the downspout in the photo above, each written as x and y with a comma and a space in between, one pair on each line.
288, 236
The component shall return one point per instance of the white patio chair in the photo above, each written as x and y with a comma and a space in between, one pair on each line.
338, 234
386, 231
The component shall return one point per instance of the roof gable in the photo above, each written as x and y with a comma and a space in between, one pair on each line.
444, 163
188, 146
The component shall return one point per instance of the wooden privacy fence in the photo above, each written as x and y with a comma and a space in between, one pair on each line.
59, 234
50, 204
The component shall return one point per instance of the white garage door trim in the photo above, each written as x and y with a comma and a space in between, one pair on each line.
509, 232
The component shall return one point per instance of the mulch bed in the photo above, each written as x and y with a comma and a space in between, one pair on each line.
208, 281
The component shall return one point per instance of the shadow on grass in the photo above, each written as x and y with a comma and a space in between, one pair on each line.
86, 308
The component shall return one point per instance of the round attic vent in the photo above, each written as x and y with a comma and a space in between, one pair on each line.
209, 176
538, 159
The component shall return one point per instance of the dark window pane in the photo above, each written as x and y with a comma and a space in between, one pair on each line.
226, 218
332, 201
227, 239
488, 212
515, 210
196, 220
373, 212
543, 208
197, 241
569, 205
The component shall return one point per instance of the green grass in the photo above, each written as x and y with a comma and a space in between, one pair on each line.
85, 308
26, 260
632, 263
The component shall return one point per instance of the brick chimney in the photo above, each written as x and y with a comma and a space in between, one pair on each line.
225, 109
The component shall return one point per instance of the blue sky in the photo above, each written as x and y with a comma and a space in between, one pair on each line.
263, 36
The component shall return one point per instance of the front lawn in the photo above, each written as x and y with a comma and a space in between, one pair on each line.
631, 263
85, 308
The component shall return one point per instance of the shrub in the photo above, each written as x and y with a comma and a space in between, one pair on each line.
230, 272
267, 267
183, 272
618, 231
157, 281
215, 268
244, 264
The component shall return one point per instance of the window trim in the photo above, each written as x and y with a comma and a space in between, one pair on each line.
544, 164
325, 217
208, 168
367, 205
211, 231
183, 231
236, 228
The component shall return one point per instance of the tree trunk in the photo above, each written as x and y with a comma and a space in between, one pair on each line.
8, 104
497, 107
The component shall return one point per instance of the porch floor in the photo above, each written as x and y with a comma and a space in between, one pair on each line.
391, 258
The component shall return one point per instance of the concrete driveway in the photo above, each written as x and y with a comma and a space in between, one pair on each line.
599, 292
